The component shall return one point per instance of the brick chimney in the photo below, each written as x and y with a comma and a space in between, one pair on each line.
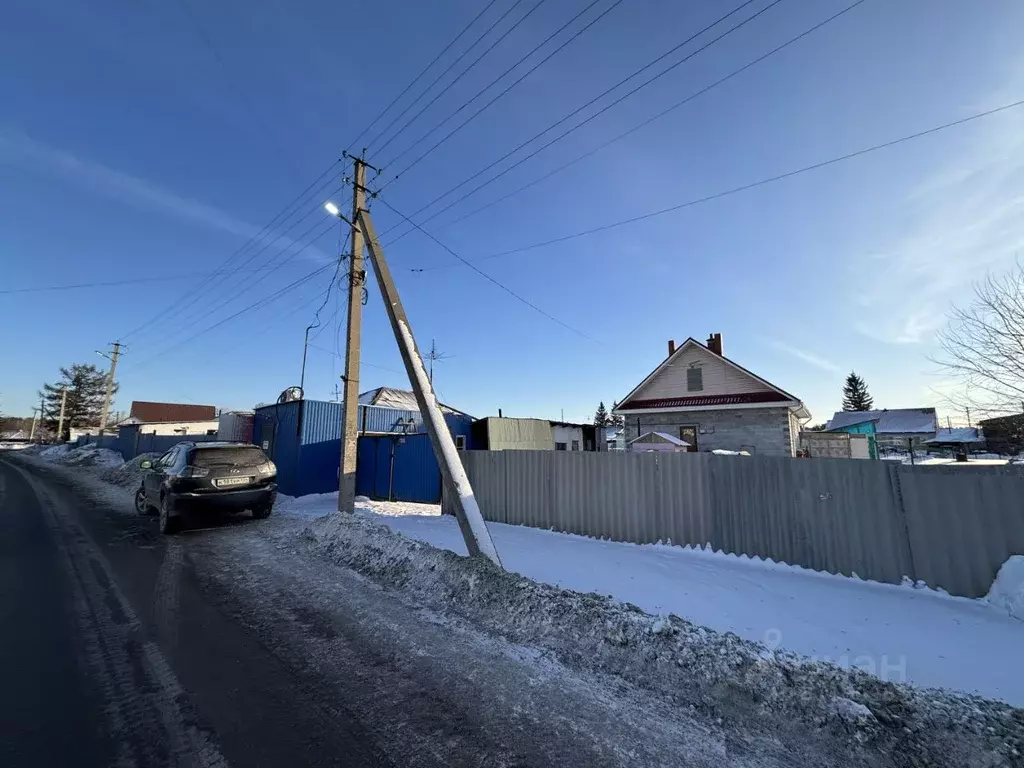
715, 343
671, 347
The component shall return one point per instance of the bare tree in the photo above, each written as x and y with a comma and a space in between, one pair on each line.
982, 347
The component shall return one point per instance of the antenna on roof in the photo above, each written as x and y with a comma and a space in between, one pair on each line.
435, 356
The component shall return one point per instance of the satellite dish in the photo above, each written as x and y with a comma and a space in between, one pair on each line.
290, 394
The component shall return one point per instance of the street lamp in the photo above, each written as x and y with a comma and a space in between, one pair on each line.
332, 209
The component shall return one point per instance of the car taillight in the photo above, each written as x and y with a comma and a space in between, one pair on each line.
267, 469
191, 471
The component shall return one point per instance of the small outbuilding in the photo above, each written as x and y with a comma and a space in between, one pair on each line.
660, 442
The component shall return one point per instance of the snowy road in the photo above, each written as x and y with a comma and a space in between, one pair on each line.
236, 645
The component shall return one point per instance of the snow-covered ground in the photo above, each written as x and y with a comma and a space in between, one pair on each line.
899, 633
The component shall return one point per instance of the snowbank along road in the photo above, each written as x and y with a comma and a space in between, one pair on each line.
339, 643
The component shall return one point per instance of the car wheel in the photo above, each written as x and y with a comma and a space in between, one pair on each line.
168, 524
141, 505
262, 512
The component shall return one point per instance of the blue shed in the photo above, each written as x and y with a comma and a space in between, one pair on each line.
394, 459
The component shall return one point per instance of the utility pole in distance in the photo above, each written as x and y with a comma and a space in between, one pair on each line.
350, 402
467, 511
110, 383
60, 421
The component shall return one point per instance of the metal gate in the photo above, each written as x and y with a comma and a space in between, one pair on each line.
398, 468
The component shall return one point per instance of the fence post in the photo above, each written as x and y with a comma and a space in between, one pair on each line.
901, 512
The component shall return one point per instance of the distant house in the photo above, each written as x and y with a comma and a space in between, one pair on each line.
710, 402
149, 418
512, 434
892, 428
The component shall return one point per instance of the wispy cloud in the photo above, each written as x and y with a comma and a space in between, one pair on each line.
808, 357
17, 148
964, 220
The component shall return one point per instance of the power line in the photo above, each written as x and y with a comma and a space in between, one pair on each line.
483, 274
238, 288
448, 69
361, 362
285, 211
265, 267
752, 185
267, 300
500, 77
113, 283
620, 136
352, 144
597, 98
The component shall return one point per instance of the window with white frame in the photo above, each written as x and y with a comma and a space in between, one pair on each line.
460, 442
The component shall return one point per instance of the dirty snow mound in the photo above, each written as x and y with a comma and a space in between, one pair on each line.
54, 452
90, 456
129, 474
715, 675
1007, 590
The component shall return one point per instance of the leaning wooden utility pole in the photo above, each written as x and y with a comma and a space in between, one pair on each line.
110, 385
350, 401
467, 511
60, 421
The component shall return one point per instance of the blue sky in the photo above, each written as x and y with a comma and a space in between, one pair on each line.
129, 147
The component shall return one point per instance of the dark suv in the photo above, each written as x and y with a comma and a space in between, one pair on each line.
196, 478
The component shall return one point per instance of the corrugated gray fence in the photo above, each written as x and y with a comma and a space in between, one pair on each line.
949, 526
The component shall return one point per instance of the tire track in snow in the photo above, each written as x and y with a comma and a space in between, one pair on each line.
146, 706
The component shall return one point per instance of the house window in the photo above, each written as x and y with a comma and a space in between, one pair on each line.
575, 445
460, 442
559, 446
211, 432
694, 379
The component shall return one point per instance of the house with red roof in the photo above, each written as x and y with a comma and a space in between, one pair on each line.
713, 403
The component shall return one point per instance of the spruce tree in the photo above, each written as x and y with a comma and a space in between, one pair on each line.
86, 387
616, 420
601, 417
855, 394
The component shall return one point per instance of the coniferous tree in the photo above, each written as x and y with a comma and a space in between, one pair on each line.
855, 394
601, 416
87, 387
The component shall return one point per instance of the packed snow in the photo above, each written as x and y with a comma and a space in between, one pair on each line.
86, 456
1007, 592
899, 633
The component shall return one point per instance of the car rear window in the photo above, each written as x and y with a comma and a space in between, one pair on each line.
241, 456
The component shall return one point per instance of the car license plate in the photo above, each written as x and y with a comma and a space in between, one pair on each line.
226, 481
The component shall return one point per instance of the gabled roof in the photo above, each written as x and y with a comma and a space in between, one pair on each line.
402, 399
159, 412
646, 437
776, 395
891, 421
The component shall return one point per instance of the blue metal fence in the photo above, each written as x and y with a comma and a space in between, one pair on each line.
303, 438
129, 442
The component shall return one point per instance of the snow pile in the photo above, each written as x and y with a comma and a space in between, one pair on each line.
718, 676
1007, 590
54, 452
88, 456
901, 634
129, 474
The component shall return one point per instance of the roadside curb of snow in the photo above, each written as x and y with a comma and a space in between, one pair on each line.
859, 718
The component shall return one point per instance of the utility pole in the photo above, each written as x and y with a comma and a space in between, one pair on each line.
467, 511
350, 403
60, 422
110, 383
